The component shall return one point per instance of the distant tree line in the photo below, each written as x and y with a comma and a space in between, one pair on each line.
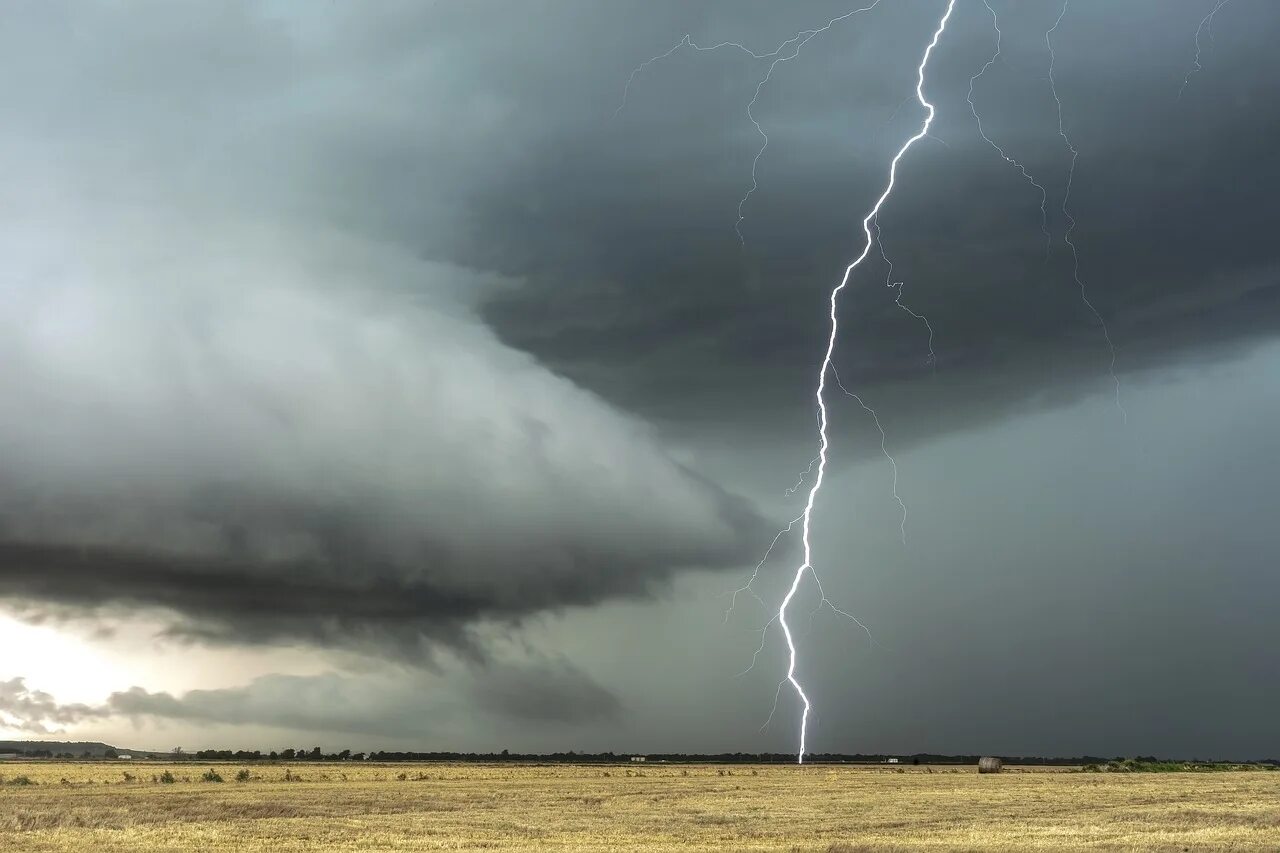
572, 757
313, 754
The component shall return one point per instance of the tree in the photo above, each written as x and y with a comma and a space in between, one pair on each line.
110, 753
288, 753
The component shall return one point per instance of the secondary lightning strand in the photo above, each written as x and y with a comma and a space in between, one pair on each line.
784, 52
820, 395
1206, 23
902, 526
800, 39
747, 587
1066, 212
889, 282
687, 41
792, 489
1044, 194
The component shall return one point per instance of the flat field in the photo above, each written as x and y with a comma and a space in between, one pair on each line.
365, 806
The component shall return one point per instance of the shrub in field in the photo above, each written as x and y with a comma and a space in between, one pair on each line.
167, 778
20, 780
242, 776
211, 776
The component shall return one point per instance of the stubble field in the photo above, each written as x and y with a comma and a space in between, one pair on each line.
363, 806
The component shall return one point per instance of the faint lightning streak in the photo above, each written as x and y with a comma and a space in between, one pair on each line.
746, 587
626, 89
888, 282
892, 464
796, 43
791, 490
808, 36
1044, 195
826, 601
897, 300
1071, 222
820, 395
1205, 22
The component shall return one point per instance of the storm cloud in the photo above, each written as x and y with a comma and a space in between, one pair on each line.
232, 434
231, 405
392, 332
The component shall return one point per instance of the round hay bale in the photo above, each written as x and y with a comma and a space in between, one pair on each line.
989, 764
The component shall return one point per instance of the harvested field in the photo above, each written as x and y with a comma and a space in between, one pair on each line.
364, 806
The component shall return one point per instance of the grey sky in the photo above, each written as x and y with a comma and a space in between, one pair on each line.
371, 331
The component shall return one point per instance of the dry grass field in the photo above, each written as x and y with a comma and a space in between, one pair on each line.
363, 806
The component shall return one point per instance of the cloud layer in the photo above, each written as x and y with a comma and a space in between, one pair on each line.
542, 694
234, 431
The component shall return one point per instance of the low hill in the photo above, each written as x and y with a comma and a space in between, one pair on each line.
76, 748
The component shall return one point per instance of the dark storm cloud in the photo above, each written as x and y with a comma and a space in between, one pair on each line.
466, 133
283, 462
641, 289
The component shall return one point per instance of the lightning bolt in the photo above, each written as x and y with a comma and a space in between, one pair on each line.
1066, 212
1206, 24
785, 52
823, 442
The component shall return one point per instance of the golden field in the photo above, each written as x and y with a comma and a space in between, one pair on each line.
365, 806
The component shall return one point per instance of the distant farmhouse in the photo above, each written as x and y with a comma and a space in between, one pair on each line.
639, 758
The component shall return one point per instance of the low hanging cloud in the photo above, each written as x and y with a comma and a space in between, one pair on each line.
386, 702
32, 711
256, 429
